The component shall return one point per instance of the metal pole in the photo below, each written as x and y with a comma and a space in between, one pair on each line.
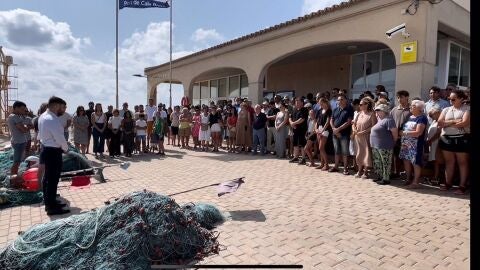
116, 55
170, 90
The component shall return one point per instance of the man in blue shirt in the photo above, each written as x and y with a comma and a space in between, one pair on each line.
341, 123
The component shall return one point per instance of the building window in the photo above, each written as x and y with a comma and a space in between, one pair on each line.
214, 89
243, 86
204, 92
459, 65
234, 86
372, 68
222, 88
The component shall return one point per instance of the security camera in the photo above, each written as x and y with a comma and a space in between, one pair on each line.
398, 29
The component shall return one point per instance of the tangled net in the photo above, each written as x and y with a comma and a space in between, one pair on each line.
206, 214
71, 161
131, 233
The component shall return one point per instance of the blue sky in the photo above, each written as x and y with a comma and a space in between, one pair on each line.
67, 48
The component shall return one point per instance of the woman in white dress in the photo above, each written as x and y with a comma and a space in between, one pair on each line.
204, 134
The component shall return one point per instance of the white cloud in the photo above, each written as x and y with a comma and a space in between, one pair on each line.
315, 5
206, 35
52, 63
22, 28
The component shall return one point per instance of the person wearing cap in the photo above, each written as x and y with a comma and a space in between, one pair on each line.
383, 95
383, 136
88, 113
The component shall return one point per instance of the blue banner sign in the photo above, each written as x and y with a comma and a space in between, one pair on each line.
143, 4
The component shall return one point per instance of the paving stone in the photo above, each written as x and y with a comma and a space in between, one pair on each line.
299, 215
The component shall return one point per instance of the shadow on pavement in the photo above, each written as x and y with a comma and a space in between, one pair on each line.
432, 190
248, 215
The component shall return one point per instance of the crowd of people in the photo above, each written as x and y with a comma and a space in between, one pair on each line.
369, 135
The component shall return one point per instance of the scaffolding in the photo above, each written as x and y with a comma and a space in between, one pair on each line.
8, 86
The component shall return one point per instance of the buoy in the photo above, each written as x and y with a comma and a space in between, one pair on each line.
30, 179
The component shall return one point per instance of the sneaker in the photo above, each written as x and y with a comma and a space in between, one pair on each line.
302, 162
293, 160
378, 179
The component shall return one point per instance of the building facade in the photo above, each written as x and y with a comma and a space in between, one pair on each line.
344, 46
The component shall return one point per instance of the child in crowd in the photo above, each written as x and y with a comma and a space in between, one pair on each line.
141, 127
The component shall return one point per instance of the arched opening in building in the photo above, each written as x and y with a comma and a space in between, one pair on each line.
355, 66
162, 93
219, 85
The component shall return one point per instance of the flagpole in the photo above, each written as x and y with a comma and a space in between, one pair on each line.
116, 55
170, 90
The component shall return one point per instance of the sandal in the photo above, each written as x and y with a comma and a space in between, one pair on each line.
333, 169
414, 186
460, 191
310, 165
445, 187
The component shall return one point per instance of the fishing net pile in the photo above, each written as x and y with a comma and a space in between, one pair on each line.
132, 232
11, 196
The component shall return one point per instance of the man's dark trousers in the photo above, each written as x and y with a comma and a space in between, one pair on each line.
52, 158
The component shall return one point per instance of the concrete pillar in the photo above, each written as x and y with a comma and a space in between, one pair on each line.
416, 78
152, 89
255, 92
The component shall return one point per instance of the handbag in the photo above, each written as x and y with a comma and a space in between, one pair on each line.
204, 127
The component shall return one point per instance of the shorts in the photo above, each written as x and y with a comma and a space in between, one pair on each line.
174, 130
141, 137
185, 132
299, 138
215, 128
149, 127
18, 152
156, 138
455, 143
341, 145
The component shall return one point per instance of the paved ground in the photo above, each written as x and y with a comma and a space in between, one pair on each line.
291, 214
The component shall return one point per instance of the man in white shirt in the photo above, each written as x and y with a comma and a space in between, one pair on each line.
150, 111
52, 139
